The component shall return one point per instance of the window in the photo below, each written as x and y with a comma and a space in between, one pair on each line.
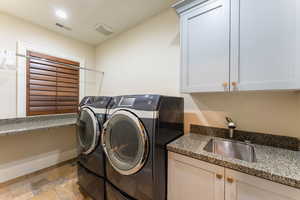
52, 85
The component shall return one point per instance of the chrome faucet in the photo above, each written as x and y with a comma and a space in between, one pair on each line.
231, 126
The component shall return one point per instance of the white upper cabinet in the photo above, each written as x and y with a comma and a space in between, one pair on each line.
205, 47
265, 44
230, 45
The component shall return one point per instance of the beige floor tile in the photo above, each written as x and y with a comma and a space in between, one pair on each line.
53, 175
58, 183
82, 197
71, 175
62, 171
36, 185
36, 177
21, 191
65, 195
4, 190
5, 196
47, 195
25, 196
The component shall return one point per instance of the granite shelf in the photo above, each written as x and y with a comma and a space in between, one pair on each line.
27, 124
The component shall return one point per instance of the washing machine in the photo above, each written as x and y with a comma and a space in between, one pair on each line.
134, 140
91, 160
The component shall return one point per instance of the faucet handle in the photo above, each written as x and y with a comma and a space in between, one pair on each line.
228, 119
230, 122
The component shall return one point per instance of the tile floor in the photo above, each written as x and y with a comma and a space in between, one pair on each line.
55, 183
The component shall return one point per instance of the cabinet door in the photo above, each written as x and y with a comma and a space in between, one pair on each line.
265, 44
239, 186
205, 47
193, 179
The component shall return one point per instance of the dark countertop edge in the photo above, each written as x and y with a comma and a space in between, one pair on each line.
250, 171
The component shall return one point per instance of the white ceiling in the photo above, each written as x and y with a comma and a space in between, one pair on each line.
83, 15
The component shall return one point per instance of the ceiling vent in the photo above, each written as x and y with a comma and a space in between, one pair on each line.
104, 29
63, 27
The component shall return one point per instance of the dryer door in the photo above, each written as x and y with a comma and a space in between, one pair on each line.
87, 130
125, 142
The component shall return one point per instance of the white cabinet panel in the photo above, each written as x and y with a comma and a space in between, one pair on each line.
265, 44
246, 187
193, 180
205, 47
231, 45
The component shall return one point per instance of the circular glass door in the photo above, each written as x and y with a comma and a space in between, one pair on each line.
87, 130
125, 142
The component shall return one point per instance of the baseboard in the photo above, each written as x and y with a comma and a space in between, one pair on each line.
20, 168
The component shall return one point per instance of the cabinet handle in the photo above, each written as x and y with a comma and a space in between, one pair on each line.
234, 84
230, 180
219, 176
225, 84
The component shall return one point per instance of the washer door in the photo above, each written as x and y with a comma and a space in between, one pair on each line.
125, 142
87, 130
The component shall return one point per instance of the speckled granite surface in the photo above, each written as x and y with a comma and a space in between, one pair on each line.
284, 142
23, 125
274, 164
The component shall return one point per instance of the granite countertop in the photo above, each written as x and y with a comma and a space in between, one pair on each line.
274, 164
23, 125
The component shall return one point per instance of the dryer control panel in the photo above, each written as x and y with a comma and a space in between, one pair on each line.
95, 101
139, 102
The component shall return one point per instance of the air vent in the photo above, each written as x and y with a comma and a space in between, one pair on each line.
63, 27
104, 29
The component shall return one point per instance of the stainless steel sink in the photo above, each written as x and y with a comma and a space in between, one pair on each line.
239, 150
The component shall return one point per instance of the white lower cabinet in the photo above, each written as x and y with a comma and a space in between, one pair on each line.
193, 179
240, 186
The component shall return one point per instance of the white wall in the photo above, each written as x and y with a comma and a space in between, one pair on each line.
22, 154
146, 58
14, 30
143, 60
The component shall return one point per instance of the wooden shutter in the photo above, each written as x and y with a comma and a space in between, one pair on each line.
52, 85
